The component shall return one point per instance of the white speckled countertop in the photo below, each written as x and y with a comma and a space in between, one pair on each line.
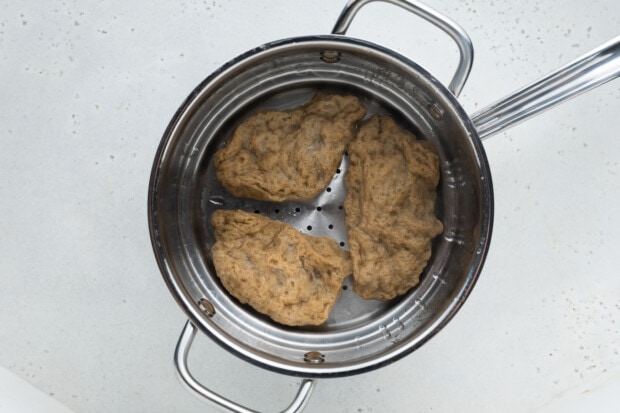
87, 90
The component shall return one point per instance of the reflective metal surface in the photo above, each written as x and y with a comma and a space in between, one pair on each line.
360, 335
180, 361
456, 32
587, 72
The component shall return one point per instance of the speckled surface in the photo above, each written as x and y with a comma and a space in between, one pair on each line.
87, 91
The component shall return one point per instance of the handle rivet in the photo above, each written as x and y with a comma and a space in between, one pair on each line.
206, 307
330, 56
436, 111
314, 357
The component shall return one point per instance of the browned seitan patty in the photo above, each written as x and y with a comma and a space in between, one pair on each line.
289, 155
391, 190
293, 278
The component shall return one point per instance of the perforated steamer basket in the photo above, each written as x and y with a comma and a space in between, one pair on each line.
360, 335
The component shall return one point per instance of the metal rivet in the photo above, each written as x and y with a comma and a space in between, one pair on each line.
330, 56
436, 111
314, 357
206, 307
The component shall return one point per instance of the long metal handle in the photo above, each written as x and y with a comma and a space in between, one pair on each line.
180, 362
466, 49
587, 72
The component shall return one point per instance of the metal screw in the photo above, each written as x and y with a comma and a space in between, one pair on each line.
314, 357
206, 307
330, 56
436, 111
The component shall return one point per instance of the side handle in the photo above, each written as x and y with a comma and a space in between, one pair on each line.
180, 362
456, 32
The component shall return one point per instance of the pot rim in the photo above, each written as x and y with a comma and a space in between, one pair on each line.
197, 315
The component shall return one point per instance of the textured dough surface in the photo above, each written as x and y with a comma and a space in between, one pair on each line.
391, 190
289, 155
293, 278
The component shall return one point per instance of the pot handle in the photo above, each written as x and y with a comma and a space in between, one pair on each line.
585, 73
180, 362
466, 49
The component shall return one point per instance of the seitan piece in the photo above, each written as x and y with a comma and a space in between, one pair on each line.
293, 278
289, 155
391, 189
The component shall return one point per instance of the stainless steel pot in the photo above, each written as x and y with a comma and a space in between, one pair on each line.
359, 335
